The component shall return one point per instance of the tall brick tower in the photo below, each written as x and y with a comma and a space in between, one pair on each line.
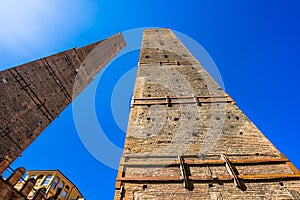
35, 93
187, 139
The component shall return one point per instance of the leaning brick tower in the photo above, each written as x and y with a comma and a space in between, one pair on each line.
187, 139
35, 93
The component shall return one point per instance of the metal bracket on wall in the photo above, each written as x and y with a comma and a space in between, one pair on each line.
122, 191
183, 171
188, 179
132, 103
197, 102
233, 173
169, 101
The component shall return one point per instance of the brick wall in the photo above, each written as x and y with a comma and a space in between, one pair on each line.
7, 192
159, 130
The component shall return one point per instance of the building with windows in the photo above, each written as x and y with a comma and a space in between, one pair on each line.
57, 185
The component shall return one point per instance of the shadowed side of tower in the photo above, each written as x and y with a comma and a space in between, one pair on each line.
34, 94
187, 139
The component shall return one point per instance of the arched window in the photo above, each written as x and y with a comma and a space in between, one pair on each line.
60, 188
32, 176
47, 180
61, 185
63, 193
24, 176
54, 182
39, 180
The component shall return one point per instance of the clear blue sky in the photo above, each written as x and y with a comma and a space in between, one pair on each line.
254, 43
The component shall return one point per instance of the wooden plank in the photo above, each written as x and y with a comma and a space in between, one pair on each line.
196, 156
183, 173
178, 97
268, 176
291, 166
206, 162
179, 179
187, 102
152, 178
150, 98
120, 175
259, 161
169, 63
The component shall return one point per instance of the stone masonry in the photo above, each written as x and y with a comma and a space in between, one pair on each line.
187, 139
35, 93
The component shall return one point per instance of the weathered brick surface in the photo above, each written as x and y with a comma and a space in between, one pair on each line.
40, 194
28, 186
16, 176
208, 130
255, 191
7, 192
4, 163
33, 94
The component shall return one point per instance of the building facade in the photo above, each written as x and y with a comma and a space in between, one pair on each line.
37, 185
57, 185
187, 139
13, 186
